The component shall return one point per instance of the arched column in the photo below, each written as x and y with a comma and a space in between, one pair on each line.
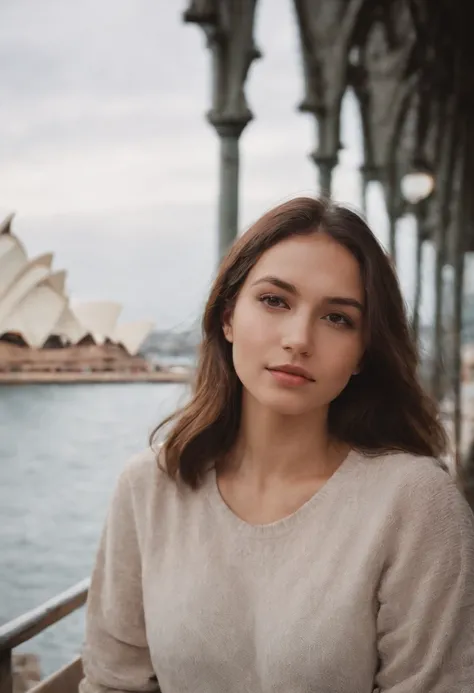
326, 30
229, 179
383, 90
228, 26
445, 175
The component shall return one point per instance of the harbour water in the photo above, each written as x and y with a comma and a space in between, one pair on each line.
61, 450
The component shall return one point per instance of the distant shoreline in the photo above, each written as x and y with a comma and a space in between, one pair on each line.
77, 377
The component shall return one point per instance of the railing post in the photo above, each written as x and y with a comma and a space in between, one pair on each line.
6, 672
25, 627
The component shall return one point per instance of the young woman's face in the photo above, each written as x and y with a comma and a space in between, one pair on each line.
301, 307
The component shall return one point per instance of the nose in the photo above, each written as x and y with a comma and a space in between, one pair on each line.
298, 336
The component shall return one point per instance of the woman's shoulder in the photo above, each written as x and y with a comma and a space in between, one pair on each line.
143, 464
145, 494
144, 475
422, 489
408, 468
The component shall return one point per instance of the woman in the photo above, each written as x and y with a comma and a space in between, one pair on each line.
297, 533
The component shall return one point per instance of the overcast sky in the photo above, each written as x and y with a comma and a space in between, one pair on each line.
108, 161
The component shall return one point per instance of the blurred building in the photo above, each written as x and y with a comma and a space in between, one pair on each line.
36, 311
409, 64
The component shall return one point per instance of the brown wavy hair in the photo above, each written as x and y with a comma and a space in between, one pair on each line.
384, 409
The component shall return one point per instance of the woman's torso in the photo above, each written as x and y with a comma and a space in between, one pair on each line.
289, 606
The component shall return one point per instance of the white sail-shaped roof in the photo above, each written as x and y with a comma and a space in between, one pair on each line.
131, 335
46, 260
5, 226
57, 281
17, 282
99, 318
35, 315
13, 260
34, 303
30, 277
68, 327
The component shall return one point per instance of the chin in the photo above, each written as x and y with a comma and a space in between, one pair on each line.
285, 403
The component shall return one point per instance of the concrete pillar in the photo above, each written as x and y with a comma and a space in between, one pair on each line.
458, 249
437, 370
456, 368
228, 206
444, 203
228, 26
420, 237
366, 178
325, 165
395, 206
392, 236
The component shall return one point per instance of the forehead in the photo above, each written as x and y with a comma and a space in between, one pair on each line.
314, 264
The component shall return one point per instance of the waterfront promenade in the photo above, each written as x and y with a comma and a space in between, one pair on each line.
183, 375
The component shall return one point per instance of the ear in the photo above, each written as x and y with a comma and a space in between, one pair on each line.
227, 320
359, 367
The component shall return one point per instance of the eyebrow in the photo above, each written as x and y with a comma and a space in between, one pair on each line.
291, 288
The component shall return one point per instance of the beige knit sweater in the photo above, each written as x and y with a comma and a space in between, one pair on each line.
368, 586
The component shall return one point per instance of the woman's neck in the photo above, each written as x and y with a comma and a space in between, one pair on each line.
274, 447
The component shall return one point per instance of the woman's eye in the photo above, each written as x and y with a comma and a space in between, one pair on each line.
273, 301
338, 319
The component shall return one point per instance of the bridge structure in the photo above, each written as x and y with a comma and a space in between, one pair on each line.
410, 64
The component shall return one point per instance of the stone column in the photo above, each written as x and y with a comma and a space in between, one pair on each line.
461, 209
325, 165
445, 175
326, 30
394, 204
228, 205
228, 26
456, 367
380, 83
420, 238
392, 224
366, 176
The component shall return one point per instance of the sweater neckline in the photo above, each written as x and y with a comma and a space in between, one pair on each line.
284, 524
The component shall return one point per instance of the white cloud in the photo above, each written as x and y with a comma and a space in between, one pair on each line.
104, 144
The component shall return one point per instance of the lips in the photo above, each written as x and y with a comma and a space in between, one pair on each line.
295, 371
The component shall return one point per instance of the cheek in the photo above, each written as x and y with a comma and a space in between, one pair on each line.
342, 355
337, 366
251, 335
249, 324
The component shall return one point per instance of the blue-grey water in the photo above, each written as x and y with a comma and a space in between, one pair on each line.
61, 450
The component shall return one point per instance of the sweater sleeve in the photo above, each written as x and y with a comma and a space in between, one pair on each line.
116, 657
426, 599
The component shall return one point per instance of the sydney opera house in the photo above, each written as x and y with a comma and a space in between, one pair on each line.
41, 330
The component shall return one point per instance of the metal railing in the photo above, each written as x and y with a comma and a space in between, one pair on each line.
25, 627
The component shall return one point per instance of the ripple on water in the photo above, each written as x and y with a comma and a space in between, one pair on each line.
61, 450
